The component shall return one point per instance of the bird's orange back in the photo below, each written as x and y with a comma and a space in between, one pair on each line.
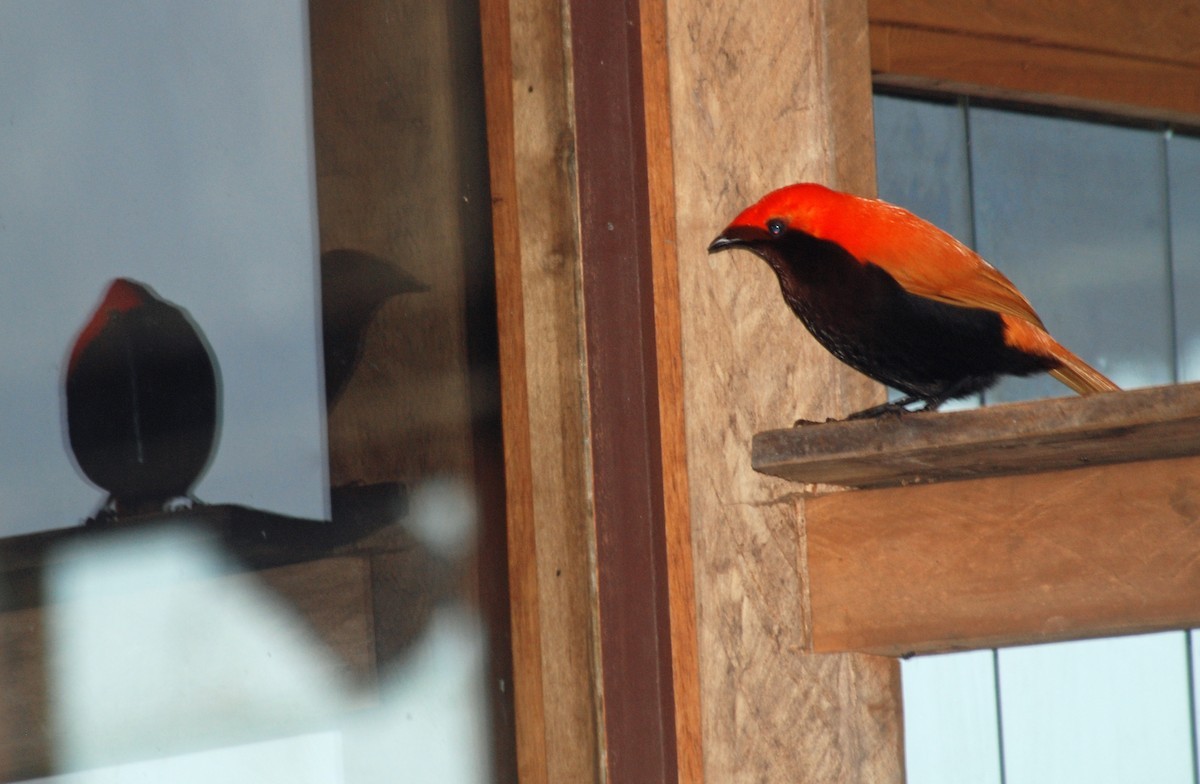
923, 259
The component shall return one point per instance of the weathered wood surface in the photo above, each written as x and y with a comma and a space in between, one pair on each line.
543, 389
1010, 560
685, 664
1123, 56
762, 95
1018, 438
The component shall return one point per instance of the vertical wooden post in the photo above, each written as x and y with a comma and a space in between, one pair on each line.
538, 276
597, 498
763, 95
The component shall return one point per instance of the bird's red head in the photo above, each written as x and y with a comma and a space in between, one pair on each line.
123, 295
806, 207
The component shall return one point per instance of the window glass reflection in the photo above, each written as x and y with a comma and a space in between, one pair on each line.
250, 340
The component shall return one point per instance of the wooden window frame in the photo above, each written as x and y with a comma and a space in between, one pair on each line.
617, 149
634, 376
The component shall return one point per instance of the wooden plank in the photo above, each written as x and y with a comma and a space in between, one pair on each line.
530, 146
1163, 32
685, 663
1002, 68
521, 535
1002, 561
26, 724
623, 396
1019, 438
391, 166
761, 95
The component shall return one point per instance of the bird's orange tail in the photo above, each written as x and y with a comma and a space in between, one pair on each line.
1072, 371
1079, 375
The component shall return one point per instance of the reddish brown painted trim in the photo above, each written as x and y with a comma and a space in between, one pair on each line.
635, 641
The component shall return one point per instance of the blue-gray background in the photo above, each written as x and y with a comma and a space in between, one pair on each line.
169, 142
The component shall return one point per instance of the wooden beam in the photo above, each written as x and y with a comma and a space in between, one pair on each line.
531, 151
660, 172
1006, 560
631, 573
1121, 57
528, 697
1019, 438
1165, 33
765, 94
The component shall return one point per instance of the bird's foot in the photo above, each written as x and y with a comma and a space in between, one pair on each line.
181, 503
896, 408
107, 514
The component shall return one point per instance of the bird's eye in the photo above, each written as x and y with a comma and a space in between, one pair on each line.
776, 226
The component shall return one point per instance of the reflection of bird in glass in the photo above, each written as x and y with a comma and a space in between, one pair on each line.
354, 285
142, 400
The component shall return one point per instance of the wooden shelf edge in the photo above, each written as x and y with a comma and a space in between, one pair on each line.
1007, 560
1019, 438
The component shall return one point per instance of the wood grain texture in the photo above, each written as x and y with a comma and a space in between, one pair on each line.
528, 696
632, 592
1020, 438
1008, 560
1164, 32
763, 95
544, 390
1121, 57
685, 664
26, 728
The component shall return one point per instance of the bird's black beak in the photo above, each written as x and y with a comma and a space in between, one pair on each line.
737, 237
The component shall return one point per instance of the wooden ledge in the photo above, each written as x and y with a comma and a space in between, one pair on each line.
1018, 438
1019, 550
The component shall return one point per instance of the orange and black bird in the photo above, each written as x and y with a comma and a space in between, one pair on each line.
898, 299
142, 401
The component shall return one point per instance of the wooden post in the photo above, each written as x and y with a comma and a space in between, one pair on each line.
531, 151
603, 618
763, 95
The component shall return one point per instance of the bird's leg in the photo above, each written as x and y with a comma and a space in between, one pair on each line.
107, 513
181, 503
896, 408
953, 391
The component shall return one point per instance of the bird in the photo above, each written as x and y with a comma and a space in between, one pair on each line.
142, 399
354, 286
898, 299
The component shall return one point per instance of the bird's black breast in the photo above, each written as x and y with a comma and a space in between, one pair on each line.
864, 317
142, 404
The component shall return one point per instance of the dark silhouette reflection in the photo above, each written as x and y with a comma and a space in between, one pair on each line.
142, 401
354, 285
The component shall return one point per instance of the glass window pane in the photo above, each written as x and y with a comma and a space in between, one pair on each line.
168, 143
951, 733
921, 165
1183, 174
1075, 214
949, 701
333, 606
1113, 710
921, 161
